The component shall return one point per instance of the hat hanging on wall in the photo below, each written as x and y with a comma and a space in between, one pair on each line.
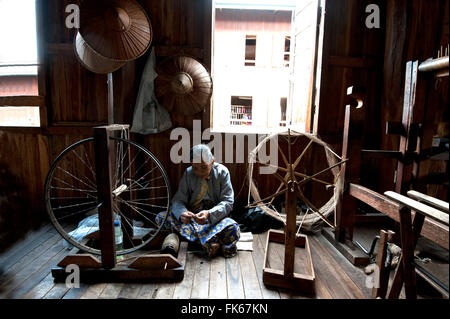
115, 29
183, 85
93, 61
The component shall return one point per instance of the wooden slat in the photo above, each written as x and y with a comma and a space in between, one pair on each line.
147, 291
218, 279
356, 274
423, 209
165, 291
76, 293
103, 159
383, 279
431, 229
437, 203
39, 271
274, 261
170, 50
60, 49
352, 62
235, 289
111, 291
57, 292
129, 291
94, 291
160, 261
184, 288
41, 289
382, 154
200, 288
23, 247
258, 260
252, 288
22, 101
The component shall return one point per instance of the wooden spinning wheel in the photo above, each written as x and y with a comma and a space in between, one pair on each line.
295, 274
292, 171
100, 180
139, 191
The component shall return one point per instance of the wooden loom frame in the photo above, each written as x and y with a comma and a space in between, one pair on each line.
410, 152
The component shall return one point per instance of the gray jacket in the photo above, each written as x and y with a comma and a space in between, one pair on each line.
220, 192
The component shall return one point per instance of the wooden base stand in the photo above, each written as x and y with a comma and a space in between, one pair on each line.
353, 253
152, 267
279, 278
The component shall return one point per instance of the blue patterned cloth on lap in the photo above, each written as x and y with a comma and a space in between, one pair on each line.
226, 232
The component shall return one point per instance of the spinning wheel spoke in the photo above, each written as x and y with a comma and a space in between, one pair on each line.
267, 198
297, 161
303, 219
313, 208
321, 172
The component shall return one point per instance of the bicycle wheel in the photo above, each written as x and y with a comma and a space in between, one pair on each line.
140, 191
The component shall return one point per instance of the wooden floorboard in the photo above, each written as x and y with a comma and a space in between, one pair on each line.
22, 248
200, 288
28, 274
235, 289
218, 279
184, 288
258, 261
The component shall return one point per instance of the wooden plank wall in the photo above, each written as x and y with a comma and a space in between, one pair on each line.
415, 31
352, 55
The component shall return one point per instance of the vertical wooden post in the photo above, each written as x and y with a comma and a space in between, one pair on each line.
127, 213
339, 233
408, 142
407, 239
290, 230
103, 153
110, 99
383, 277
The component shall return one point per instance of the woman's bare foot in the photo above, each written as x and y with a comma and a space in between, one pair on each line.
213, 250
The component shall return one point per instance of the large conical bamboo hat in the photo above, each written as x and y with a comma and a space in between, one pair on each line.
115, 29
93, 61
183, 85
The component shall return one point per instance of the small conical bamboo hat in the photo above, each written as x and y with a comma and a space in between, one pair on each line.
183, 85
93, 61
115, 29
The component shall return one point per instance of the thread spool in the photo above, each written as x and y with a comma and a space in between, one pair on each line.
170, 245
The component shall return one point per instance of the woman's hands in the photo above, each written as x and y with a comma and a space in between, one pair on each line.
185, 217
200, 217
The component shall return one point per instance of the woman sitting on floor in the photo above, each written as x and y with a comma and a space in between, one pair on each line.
202, 203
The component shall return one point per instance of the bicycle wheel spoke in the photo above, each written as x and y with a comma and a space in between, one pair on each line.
80, 212
139, 183
136, 209
77, 190
90, 168
124, 228
146, 199
73, 176
74, 205
131, 163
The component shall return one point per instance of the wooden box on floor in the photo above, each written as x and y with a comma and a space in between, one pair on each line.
302, 282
